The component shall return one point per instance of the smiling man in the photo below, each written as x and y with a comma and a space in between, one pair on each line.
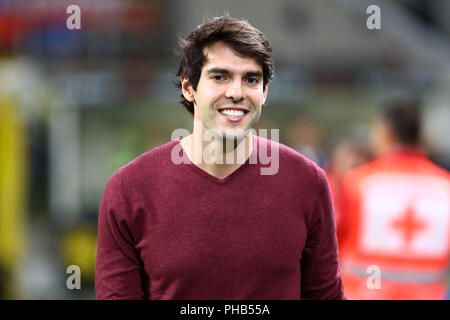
227, 103
219, 229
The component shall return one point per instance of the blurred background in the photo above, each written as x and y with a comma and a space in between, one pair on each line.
75, 105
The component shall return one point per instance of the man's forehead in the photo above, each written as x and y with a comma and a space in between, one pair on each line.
221, 55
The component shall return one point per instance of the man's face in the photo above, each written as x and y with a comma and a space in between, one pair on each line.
230, 92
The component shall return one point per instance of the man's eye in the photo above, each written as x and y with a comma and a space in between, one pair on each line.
253, 80
218, 78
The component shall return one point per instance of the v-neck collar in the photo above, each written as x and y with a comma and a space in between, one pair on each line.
211, 177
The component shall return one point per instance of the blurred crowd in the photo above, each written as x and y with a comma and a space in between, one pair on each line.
75, 106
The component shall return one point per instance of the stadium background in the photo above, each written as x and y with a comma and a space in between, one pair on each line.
75, 105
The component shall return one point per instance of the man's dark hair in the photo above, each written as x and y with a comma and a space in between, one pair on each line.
403, 118
238, 34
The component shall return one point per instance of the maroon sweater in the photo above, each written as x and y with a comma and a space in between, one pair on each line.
168, 231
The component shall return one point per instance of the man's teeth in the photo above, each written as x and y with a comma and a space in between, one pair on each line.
234, 113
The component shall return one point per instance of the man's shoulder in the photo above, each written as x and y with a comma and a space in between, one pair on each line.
354, 177
153, 159
434, 169
420, 165
394, 166
290, 159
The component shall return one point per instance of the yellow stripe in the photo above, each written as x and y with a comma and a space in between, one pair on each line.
12, 184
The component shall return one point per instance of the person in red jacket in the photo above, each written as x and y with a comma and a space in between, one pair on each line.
395, 215
172, 226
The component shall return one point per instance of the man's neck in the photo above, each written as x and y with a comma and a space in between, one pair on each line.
218, 157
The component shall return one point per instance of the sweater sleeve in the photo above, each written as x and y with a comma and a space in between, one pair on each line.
118, 273
320, 274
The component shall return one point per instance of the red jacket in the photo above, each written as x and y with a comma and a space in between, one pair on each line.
395, 220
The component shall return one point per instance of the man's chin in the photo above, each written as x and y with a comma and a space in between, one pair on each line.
232, 134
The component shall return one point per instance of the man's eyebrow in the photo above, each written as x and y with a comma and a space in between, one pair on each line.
256, 74
218, 70
225, 71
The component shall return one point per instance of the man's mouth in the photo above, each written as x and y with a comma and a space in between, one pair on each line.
233, 114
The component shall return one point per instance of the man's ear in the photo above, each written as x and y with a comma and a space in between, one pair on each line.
186, 88
266, 88
389, 134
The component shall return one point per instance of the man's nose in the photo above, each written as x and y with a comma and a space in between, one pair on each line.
235, 91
